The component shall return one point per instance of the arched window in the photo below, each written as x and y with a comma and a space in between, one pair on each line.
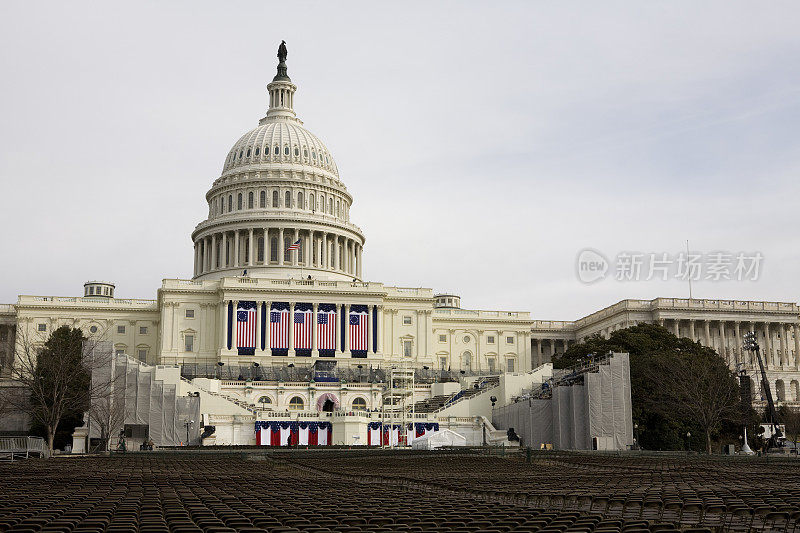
296, 404
256, 150
780, 390
214, 208
311, 204
277, 150
296, 151
287, 255
286, 150
794, 388
359, 404
288, 199
330, 206
322, 204
338, 208
313, 155
239, 201
248, 152
300, 203
265, 400
467, 360
275, 199
221, 204
273, 249
241, 152
230, 203
250, 200
263, 202
305, 153
260, 253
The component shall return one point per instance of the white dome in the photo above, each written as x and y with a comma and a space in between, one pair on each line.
293, 143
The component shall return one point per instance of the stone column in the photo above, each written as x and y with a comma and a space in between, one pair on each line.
259, 333
314, 351
336, 254
796, 331
324, 257
213, 264
281, 246
250, 249
295, 257
784, 345
370, 325
691, 330
724, 342
236, 248
381, 327
707, 332
223, 325
676, 327
360, 260
291, 329
767, 346
737, 350
539, 351
223, 262
309, 254
234, 343
265, 259
552, 349
346, 347
196, 255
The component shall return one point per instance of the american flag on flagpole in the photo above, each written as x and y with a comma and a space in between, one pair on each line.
326, 329
246, 325
279, 329
302, 329
358, 330
294, 246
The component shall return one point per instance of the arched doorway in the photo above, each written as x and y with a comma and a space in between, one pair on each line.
327, 403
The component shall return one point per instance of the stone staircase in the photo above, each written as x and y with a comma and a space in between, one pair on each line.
437, 403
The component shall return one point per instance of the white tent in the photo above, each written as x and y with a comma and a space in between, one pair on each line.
438, 439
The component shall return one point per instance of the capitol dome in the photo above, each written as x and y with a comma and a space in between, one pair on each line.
278, 209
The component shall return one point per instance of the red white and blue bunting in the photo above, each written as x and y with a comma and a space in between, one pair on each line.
379, 434
293, 433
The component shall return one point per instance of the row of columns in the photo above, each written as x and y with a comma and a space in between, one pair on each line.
726, 337
339, 350
538, 350
240, 248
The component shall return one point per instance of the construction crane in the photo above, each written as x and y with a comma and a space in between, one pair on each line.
751, 345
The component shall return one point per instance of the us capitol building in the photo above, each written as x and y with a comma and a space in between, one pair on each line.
278, 244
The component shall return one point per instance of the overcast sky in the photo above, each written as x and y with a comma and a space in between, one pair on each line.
485, 144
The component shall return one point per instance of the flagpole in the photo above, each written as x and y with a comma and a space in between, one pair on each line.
689, 277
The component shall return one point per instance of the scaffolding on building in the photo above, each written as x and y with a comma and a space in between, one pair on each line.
398, 402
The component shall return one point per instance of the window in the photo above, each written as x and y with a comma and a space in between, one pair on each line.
275, 199
442, 362
248, 152
305, 153
490, 339
250, 200
277, 150
190, 313
300, 203
406, 320
407, 348
260, 252
142, 330
273, 249
296, 151
287, 255
265, 400
263, 200
466, 339
288, 199
93, 329
322, 204
239, 201
442, 338
230, 203
241, 152
42, 327
467, 361
286, 150
119, 351
313, 155
492, 364
509, 340
296, 404
359, 404
222, 204
142, 355
257, 150
121, 330
510, 365
311, 204
189, 343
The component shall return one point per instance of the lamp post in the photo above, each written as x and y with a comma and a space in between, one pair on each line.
220, 364
636, 437
188, 424
688, 439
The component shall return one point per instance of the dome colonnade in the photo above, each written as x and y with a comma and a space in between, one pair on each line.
279, 208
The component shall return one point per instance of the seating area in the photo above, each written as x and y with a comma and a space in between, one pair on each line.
352, 491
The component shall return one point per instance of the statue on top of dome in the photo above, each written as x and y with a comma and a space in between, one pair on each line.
282, 52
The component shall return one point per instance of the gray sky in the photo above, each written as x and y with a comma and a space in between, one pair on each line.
485, 144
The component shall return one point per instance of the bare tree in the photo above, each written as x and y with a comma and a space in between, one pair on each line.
57, 376
699, 386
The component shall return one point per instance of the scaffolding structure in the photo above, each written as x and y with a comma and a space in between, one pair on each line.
398, 401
